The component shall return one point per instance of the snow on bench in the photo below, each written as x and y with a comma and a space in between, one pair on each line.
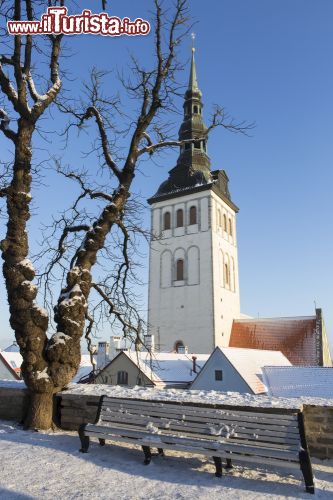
272, 436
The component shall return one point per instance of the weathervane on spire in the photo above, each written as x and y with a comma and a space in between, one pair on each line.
193, 35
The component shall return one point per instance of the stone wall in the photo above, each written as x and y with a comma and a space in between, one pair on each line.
73, 410
319, 430
13, 402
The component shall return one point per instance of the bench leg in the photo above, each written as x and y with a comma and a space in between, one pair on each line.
160, 452
218, 466
147, 452
84, 439
306, 471
229, 464
101, 441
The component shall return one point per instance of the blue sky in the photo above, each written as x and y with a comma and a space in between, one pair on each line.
268, 61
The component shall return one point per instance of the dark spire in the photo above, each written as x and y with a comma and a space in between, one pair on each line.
193, 164
193, 83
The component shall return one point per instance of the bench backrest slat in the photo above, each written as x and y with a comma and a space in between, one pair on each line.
269, 413
274, 430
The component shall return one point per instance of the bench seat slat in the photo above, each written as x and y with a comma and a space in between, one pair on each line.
205, 431
260, 441
229, 446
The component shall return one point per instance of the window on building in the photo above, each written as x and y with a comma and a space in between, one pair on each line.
180, 270
122, 378
225, 223
187, 146
195, 110
226, 275
197, 144
179, 346
218, 375
230, 227
193, 215
139, 381
167, 221
219, 220
180, 218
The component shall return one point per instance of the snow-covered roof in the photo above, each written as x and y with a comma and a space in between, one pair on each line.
164, 368
298, 381
84, 369
249, 363
14, 360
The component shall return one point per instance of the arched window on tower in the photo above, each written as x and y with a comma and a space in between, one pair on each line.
193, 215
219, 220
226, 275
167, 221
180, 270
195, 110
225, 227
180, 218
230, 227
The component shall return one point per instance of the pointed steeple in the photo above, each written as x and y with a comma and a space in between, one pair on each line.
193, 164
193, 82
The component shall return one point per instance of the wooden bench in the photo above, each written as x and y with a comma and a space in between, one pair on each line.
251, 435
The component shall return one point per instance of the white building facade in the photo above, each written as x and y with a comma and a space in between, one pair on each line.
193, 268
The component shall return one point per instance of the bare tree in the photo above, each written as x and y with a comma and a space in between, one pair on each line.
51, 361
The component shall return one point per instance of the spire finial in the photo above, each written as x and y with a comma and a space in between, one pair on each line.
193, 35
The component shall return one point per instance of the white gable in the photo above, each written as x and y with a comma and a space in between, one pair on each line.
240, 370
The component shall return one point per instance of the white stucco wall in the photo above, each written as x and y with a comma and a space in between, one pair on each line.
191, 310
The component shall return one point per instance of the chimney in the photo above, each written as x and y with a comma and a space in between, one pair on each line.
194, 367
114, 346
149, 341
102, 354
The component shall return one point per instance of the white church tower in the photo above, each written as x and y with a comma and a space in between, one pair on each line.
193, 268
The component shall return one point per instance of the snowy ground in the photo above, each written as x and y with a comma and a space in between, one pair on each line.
49, 466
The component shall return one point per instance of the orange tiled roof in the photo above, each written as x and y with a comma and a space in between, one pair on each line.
296, 337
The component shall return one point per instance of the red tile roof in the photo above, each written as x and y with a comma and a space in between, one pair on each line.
297, 338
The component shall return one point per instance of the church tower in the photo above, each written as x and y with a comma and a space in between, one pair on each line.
193, 268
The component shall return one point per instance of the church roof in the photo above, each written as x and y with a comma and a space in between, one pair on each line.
296, 337
299, 381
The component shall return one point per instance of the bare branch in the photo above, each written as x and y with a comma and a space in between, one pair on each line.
4, 126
